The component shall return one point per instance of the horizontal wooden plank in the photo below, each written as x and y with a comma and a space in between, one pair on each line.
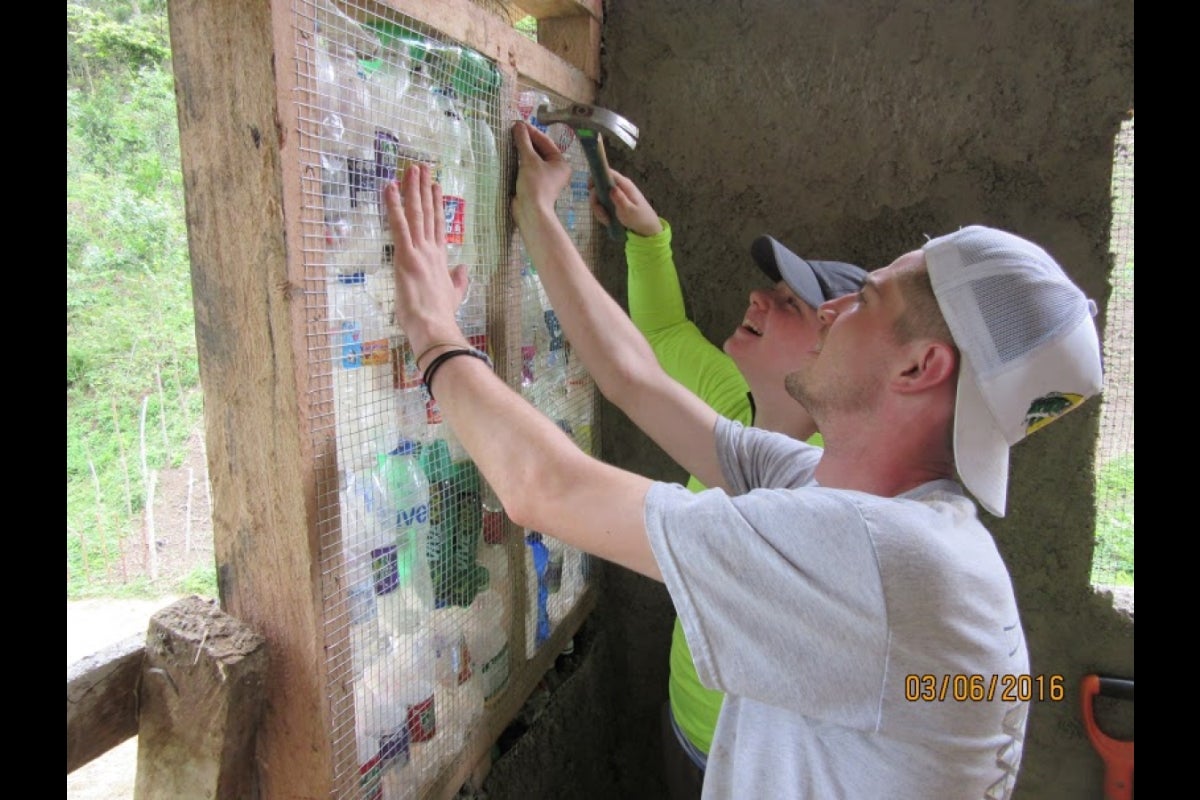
489, 34
574, 39
548, 9
102, 700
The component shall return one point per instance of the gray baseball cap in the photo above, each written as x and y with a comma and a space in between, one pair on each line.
814, 282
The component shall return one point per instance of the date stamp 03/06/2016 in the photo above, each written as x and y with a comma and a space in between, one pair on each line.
968, 688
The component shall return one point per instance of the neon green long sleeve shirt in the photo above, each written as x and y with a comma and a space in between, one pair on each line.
657, 309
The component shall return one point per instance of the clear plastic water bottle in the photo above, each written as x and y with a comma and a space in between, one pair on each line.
534, 338
363, 381
404, 114
455, 172
342, 106
472, 314
414, 686
460, 697
493, 519
478, 84
527, 106
487, 634
407, 608
381, 731
367, 640
369, 552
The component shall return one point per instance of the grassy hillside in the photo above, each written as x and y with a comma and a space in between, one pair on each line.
133, 392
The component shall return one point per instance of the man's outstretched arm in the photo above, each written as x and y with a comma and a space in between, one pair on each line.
615, 352
543, 479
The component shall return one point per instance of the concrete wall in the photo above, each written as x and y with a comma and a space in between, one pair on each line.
850, 130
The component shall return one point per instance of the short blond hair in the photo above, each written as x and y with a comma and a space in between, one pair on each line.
922, 317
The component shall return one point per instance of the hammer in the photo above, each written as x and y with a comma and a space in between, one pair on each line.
589, 122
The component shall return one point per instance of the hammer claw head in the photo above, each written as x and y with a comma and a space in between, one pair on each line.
582, 115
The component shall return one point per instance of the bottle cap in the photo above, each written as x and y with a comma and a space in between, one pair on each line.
405, 447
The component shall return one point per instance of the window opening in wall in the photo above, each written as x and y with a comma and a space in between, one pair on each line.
1112, 560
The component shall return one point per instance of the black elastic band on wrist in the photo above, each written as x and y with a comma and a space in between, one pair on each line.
442, 358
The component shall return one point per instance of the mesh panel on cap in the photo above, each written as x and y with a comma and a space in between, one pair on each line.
1018, 327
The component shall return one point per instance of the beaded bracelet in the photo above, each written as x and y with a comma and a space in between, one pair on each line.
442, 358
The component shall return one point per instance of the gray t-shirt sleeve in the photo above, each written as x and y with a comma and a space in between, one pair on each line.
778, 590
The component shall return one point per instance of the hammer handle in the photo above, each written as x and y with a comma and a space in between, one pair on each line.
593, 149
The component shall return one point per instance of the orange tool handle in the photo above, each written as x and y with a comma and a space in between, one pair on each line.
1117, 754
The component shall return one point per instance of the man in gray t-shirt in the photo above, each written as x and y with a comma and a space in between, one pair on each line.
847, 600
816, 646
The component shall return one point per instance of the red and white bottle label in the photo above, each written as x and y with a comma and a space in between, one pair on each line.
422, 721
455, 209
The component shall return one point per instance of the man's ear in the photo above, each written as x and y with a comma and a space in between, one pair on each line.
927, 363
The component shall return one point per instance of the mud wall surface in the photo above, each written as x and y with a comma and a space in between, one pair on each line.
851, 131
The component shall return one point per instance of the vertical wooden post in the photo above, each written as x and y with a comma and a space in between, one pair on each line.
252, 192
201, 698
236, 88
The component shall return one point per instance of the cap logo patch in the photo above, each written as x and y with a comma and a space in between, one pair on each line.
1048, 408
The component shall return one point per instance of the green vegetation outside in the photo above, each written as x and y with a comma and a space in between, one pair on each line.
133, 391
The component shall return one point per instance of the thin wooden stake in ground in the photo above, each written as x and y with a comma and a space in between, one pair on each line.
149, 479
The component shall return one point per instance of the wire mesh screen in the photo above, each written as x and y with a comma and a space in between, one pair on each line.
1112, 562
423, 586
554, 381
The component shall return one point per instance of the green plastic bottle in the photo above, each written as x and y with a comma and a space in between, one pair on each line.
455, 525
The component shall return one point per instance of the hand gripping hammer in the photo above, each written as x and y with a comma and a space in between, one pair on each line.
589, 122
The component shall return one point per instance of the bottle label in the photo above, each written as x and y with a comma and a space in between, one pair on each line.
433, 414
351, 344
422, 720
493, 526
376, 353
555, 329
370, 777
455, 660
455, 209
579, 185
413, 523
362, 182
393, 746
480, 342
494, 674
383, 567
415, 515
528, 353
392, 158
405, 374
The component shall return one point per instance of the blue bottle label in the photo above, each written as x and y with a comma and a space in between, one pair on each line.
351, 344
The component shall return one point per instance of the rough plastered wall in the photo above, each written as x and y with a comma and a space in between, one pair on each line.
851, 130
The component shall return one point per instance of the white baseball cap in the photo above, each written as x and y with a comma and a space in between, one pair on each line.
1029, 347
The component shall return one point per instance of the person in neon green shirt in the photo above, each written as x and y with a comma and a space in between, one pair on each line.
743, 380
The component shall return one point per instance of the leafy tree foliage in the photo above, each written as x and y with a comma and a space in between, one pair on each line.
133, 393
